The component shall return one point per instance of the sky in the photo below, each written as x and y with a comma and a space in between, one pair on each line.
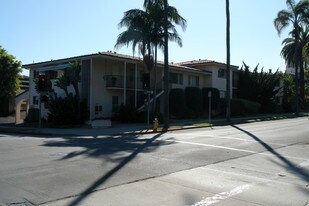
36, 30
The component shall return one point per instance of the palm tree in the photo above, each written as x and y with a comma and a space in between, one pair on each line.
296, 15
63, 82
228, 58
288, 50
146, 28
70, 76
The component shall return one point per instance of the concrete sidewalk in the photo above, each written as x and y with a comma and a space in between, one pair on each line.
137, 128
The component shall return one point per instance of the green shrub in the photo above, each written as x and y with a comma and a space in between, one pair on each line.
244, 107
177, 102
194, 101
64, 111
127, 113
131, 115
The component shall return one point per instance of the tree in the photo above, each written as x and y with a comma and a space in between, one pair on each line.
68, 110
157, 11
149, 29
10, 70
288, 92
63, 82
288, 50
72, 73
258, 86
70, 76
228, 59
296, 15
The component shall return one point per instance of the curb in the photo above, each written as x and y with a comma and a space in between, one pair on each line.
16, 130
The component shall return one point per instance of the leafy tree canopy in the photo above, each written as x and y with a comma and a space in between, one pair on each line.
261, 87
10, 70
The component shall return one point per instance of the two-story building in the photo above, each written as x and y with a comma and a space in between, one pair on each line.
109, 79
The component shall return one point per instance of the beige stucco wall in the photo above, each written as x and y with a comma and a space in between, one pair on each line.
100, 94
216, 82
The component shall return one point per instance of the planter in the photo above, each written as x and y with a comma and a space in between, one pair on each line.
97, 124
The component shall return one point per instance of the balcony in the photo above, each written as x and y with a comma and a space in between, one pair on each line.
117, 82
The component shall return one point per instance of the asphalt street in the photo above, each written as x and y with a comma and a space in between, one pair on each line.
262, 163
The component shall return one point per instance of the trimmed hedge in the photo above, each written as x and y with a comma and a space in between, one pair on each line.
177, 102
244, 107
194, 100
64, 111
130, 114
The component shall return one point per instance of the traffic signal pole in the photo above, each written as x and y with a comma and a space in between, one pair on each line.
41, 88
40, 108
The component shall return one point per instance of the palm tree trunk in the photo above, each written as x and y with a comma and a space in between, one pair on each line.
228, 56
296, 59
155, 81
296, 91
166, 72
302, 81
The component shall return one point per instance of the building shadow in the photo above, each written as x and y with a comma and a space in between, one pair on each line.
107, 147
302, 173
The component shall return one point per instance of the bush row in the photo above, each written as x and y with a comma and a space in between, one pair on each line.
193, 102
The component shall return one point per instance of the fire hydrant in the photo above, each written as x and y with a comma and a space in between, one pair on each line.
155, 124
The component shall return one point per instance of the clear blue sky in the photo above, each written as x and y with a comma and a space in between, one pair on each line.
36, 30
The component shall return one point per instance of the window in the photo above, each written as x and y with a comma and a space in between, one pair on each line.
176, 78
98, 108
221, 73
52, 74
193, 81
222, 94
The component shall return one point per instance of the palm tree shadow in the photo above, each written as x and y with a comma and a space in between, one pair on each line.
103, 147
302, 173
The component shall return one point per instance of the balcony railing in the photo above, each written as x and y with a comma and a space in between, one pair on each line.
117, 81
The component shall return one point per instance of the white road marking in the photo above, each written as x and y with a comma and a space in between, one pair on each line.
233, 149
222, 196
233, 138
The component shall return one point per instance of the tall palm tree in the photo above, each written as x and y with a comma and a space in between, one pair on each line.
166, 72
157, 10
146, 27
228, 59
288, 50
296, 15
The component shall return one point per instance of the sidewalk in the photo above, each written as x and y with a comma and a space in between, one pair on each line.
126, 128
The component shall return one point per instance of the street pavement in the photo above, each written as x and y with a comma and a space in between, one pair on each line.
261, 163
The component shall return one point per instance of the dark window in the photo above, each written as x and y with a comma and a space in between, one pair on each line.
51, 74
176, 78
146, 81
221, 73
193, 81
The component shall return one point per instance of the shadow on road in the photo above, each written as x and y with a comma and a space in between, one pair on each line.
104, 147
304, 174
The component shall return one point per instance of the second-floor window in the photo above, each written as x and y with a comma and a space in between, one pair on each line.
193, 81
52, 74
176, 78
221, 73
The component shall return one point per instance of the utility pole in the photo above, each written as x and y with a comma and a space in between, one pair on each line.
228, 69
166, 72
